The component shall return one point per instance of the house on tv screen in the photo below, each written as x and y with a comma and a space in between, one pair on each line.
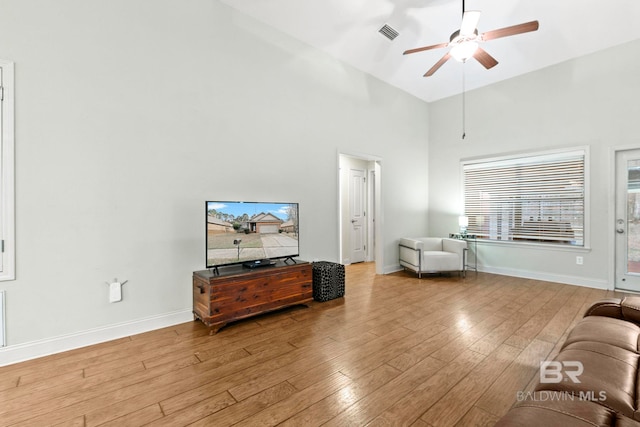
265, 223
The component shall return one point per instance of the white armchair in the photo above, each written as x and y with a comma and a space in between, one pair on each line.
432, 254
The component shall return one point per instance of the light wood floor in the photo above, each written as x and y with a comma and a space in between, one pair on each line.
397, 350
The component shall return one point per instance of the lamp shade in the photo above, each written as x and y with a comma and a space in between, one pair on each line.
463, 221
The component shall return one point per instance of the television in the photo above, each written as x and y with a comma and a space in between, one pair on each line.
250, 233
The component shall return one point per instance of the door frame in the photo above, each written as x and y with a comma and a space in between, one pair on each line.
612, 211
374, 204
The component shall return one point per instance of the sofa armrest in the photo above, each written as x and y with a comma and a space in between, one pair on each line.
411, 253
631, 309
411, 243
608, 307
627, 308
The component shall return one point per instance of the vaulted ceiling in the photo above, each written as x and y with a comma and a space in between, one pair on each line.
349, 31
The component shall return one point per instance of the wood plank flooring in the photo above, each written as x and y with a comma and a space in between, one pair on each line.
397, 350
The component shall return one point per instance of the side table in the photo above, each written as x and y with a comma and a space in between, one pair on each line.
472, 241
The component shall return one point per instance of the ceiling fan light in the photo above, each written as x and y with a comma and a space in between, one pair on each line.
464, 50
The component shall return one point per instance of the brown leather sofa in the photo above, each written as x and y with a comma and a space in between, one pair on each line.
593, 381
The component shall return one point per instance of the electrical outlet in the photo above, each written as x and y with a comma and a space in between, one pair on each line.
579, 260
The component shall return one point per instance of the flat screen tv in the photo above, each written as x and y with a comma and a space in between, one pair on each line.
250, 232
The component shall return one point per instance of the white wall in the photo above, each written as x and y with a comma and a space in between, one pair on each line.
130, 114
590, 101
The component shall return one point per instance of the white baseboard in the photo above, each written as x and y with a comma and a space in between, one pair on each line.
527, 274
547, 277
388, 269
35, 349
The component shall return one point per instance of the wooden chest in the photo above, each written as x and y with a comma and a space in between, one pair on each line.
238, 292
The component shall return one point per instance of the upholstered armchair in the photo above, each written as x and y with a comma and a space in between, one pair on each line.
432, 254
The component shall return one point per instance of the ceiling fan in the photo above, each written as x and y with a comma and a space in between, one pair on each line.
464, 43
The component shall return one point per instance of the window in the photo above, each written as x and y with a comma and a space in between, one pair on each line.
7, 214
531, 198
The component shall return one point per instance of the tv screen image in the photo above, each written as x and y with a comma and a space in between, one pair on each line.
239, 232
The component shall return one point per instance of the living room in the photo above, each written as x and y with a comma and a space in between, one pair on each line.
140, 122
129, 115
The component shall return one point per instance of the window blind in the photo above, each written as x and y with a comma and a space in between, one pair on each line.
536, 198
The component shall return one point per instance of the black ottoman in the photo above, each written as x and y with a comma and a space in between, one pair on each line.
328, 280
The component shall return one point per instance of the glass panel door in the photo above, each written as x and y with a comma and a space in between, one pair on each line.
627, 226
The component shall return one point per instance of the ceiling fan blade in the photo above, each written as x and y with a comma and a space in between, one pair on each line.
469, 22
438, 64
484, 58
422, 49
510, 31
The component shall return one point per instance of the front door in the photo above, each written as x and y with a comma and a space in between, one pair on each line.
357, 200
627, 220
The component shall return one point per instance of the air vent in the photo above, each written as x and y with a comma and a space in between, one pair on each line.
388, 32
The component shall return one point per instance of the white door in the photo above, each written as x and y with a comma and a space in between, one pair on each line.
627, 220
357, 196
2, 208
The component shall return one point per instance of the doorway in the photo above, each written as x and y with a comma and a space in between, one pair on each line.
359, 209
357, 214
627, 220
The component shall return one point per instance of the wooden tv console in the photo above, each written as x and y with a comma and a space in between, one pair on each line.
239, 292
